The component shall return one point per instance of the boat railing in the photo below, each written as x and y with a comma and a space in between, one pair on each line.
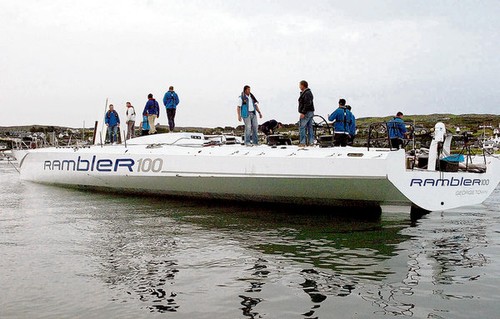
321, 126
462, 159
378, 136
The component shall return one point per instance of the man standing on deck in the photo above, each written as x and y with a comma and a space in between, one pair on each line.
397, 130
152, 111
247, 109
352, 127
171, 100
306, 114
342, 119
112, 121
130, 121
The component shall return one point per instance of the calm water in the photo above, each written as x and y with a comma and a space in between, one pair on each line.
73, 254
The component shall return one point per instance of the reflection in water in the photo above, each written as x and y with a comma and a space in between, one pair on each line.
143, 256
148, 278
344, 249
437, 259
347, 253
136, 258
259, 273
347, 244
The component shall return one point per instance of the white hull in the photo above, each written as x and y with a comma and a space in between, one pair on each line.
330, 176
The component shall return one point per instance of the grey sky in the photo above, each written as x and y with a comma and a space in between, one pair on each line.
60, 60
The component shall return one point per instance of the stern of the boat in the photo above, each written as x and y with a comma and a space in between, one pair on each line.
437, 190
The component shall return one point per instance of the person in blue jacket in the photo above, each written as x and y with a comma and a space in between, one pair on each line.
145, 125
247, 109
397, 130
171, 100
343, 120
152, 111
112, 121
352, 127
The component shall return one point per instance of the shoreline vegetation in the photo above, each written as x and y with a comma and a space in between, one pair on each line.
479, 126
469, 122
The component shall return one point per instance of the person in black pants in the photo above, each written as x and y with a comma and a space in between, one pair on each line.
270, 127
342, 119
171, 100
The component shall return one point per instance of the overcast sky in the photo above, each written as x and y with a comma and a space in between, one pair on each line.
60, 60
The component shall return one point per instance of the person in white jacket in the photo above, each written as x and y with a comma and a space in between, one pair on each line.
130, 121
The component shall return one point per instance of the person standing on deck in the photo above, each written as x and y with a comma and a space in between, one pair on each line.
130, 121
152, 111
145, 126
352, 127
247, 109
306, 114
171, 100
397, 130
112, 121
342, 119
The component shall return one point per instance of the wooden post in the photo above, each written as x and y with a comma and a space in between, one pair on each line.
95, 132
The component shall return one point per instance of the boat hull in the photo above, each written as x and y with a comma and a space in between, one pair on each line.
333, 176
324, 192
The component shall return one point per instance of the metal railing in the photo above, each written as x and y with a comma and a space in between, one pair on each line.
378, 136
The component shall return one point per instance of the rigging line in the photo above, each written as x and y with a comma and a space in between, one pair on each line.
10, 162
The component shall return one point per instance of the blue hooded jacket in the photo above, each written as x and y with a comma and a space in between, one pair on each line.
170, 100
145, 123
397, 128
244, 104
151, 108
352, 127
344, 121
111, 118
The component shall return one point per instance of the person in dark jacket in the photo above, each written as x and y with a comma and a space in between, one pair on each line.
152, 111
270, 127
112, 121
397, 130
342, 119
306, 114
171, 100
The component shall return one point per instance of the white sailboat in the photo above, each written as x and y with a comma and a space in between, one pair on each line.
189, 164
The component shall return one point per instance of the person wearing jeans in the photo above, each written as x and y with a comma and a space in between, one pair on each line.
306, 131
251, 128
306, 114
112, 121
171, 100
113, 134
247, 109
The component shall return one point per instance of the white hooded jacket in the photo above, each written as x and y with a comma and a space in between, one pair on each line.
130, 114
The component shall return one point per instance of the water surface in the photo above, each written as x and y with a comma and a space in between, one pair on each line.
73, 254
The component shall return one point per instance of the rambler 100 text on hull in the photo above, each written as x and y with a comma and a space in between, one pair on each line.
188, 164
